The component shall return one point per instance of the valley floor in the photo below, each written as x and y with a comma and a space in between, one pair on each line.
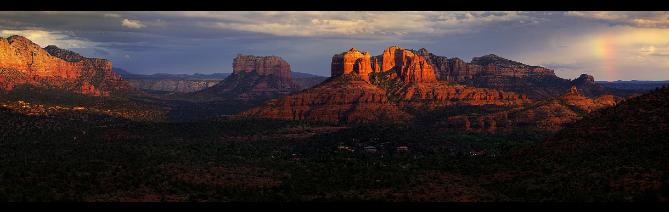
74, 153
53, 158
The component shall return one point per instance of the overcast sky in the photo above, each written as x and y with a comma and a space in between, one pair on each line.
608, 45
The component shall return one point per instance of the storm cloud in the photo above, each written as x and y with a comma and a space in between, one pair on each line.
609, 45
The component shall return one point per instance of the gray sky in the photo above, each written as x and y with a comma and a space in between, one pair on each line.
608, 45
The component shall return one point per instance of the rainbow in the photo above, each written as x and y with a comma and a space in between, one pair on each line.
604, 48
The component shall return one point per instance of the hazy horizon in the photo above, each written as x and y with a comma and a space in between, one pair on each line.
608, 45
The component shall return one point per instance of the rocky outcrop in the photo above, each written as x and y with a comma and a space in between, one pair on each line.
352, 62
23, 62
340, 99
586, 83
395, 62
492, 71
409, 78
438, 95
64, 54
548, 115
262, 66
400, 80
408, 65
254, 78
584, 79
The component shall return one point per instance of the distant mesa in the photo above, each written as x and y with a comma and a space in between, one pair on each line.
254, 78
23, 62
262, 66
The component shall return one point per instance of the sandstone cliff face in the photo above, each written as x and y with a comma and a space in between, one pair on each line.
409, 66
417, 85
437, 95
254, 78
395, 62
24, 62
262, 66
352, 62
401, 80
549, 114
492, 71
341, 99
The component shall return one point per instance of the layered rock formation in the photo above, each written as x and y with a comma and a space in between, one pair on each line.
341, 99
548, 115
418, 81
395, 62
411, 79
262, 66
395, 81
409, 66
23, 62
492, 71
254, 78
352, 62
456, 70
431, 96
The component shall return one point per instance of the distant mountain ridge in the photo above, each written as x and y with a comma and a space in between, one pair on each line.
186, 83
637, 85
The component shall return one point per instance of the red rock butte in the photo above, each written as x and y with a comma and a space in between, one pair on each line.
406, 64
254, 78
351, 96
352, 62
261, 65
